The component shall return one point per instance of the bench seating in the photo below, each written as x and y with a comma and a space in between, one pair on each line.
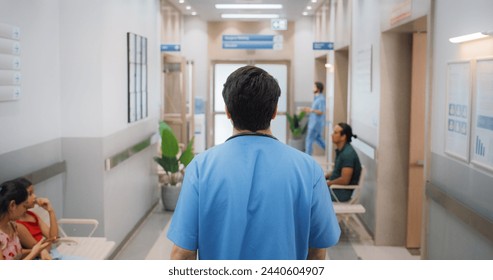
86, 246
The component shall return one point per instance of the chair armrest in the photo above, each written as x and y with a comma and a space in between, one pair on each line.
90, 222
344, 187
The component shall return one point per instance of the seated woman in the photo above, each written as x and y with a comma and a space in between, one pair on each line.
347, 167
12, 205
32, 229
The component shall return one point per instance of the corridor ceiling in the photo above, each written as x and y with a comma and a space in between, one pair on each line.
205, 9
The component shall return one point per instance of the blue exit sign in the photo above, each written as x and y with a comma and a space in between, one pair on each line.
318, 46
170, 47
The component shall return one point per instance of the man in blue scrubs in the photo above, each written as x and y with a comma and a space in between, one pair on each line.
253, 197
316, 119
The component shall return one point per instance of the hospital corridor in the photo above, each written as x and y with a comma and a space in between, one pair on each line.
132, 124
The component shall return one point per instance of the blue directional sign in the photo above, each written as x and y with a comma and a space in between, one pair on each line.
252, 42
318, 46
170, 47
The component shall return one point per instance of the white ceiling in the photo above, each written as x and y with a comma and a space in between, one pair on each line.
292, 9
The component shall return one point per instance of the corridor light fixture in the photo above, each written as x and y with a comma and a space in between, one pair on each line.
248, 16
470, 37
248, 6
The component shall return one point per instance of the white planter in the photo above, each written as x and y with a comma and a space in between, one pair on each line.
169, 195
297, 143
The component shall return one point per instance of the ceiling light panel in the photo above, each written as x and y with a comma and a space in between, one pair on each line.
248, 6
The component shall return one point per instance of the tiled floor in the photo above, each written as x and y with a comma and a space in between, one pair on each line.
150, 243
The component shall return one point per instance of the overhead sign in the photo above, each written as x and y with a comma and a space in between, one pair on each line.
170, 47
279, 24
318, 46
252, 42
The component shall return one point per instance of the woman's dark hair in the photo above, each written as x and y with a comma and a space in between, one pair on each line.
11, 190
319, 86
22, 182
251, 95
347, 130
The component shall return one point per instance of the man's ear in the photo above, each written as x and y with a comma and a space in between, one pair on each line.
275, 114
227, 112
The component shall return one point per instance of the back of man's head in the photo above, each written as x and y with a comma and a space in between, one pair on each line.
251, 95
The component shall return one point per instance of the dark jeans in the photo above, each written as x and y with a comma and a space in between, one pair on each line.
342, 195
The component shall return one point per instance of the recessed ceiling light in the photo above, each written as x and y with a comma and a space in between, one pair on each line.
194, 13
305, 13
181, 1
314, 1
308, 7
470, 37
249, 15
248, 6
188, 7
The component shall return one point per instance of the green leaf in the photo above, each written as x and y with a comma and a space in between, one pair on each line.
169, 143
169, 164
187, 155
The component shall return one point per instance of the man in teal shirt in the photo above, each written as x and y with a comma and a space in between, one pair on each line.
347, 167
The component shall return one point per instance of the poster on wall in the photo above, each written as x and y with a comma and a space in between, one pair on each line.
482, 148
458, 111
137, 77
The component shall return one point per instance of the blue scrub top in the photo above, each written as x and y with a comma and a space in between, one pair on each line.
315, 120
254, 197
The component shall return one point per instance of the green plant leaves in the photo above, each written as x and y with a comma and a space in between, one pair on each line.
295, 124
169, 143
187, 156
169, 164
169, 160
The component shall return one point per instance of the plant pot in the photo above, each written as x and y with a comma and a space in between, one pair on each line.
297, 143
169, 195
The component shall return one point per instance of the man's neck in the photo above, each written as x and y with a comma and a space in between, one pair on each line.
340, 145
265, 131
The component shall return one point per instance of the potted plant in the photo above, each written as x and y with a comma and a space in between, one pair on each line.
173, 161
298, 129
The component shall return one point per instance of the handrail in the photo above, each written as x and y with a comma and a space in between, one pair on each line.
467, 215
120, 157
46, 173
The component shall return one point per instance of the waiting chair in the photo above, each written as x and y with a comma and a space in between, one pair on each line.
349, 209
80, 241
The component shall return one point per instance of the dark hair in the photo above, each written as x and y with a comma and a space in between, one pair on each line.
22, 182
251, 95
319, 86
11, 190
347, 130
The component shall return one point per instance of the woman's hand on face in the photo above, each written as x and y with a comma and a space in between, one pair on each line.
45, 203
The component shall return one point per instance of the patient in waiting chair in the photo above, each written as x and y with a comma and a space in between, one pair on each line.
32, 229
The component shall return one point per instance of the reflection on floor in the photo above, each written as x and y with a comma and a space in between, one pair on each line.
150, 243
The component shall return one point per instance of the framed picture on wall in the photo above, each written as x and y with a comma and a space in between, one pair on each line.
137, 77
458, 109
482, 132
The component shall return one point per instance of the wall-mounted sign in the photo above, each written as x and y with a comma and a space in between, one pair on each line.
170, 47
279, 24
319, 46
10, 62
252, 42
401, 11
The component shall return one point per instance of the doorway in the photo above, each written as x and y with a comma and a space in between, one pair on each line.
401, 179
222, 127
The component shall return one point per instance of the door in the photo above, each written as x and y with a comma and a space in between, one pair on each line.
417, 142
222, 126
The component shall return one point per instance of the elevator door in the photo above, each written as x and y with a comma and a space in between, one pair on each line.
222, 125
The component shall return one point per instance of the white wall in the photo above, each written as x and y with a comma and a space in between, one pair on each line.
365, 102
193, 48
35, 118
303, 60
